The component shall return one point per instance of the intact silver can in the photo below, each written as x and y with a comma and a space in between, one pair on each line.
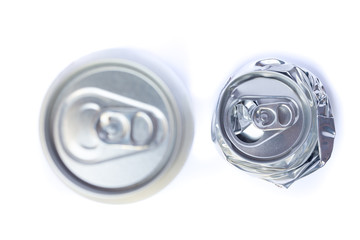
116, 126
273, 119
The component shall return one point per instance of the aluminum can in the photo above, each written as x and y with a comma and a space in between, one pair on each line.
273, 120
116, 126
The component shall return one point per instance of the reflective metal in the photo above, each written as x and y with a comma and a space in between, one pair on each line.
116, 125
274, 120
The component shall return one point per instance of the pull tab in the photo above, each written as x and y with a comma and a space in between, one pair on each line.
128, 126
274, 116
98, 125
112, 127
254, 116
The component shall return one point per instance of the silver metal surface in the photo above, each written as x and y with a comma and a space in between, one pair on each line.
274, 120
116, 125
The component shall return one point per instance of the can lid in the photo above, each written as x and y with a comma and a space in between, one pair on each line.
274, 120
116, 125
267, 116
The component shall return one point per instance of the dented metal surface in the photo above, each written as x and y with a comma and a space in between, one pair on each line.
274, 120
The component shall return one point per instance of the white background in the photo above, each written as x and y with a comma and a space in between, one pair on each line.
204, 42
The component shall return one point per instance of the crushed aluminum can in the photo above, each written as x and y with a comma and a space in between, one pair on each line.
116, 126
273, 120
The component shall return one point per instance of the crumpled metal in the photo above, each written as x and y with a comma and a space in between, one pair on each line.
283, 172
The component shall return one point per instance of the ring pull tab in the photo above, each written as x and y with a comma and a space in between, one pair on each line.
112, 127
274, 116
98, 125
255, 119
117, 128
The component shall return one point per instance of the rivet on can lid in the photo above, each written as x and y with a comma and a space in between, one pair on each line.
116, 125
274, 121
